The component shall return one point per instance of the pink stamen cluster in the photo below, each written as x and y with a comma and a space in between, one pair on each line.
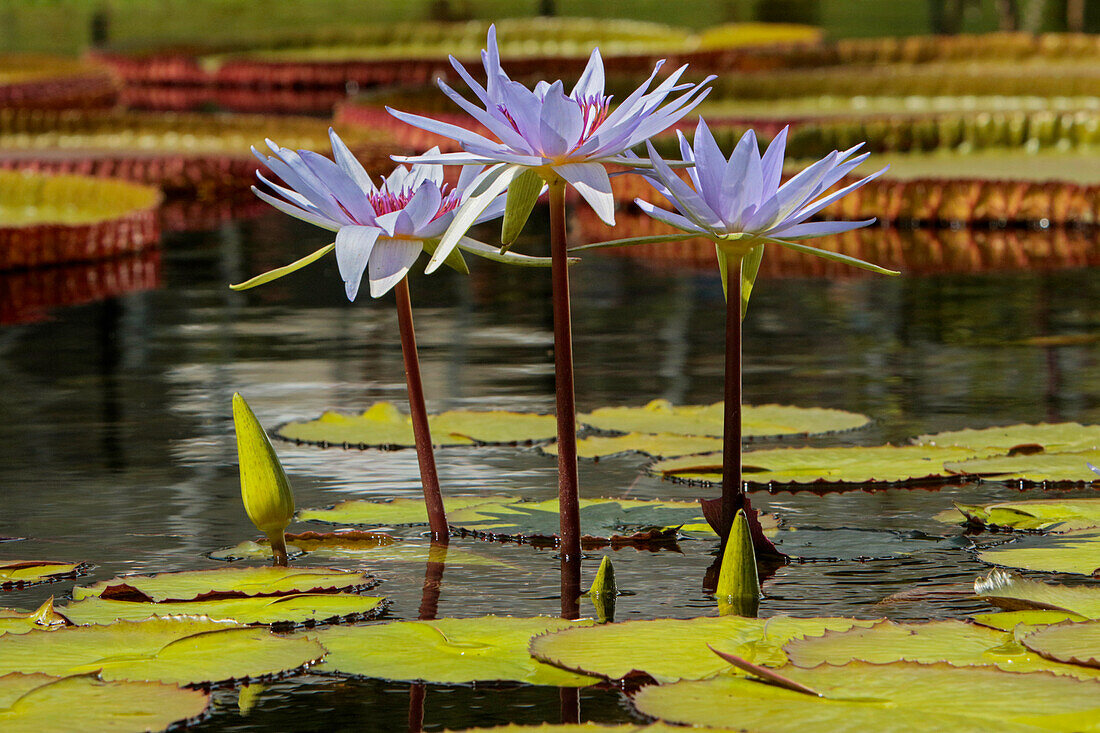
594, 109
386, 202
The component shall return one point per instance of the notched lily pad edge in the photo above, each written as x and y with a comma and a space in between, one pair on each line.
935, 480
653, 539
81, 570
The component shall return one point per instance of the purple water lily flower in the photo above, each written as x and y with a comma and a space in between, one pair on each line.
379, 230
740, 203
566, 136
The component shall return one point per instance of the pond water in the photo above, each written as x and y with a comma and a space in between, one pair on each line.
117, 444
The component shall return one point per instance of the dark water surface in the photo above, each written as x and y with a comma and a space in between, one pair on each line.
116, 444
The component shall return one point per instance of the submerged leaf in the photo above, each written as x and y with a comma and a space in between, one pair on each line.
384, 426
353, 544
1014, 592
447, 651
1071, 642
185, 651
860, 697
1075, 552
672, 649
1048, 468
757, 421
35, 703
293, 609
1061, 515
191, 585
880, 464
29, 572
954, 642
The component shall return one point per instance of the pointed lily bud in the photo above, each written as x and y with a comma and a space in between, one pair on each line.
603, 591
265, 490
738, 590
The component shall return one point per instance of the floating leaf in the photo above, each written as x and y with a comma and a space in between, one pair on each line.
1013, 592
1071, 642
191, 585
185, 651
391, 513
860, 697
757, 421
1050, 468
447, 651
292, 609
660, 445
384, 426
34, 703
353, 545
45, 617
954, 642
1037, 514
29, 572
1073, 552
1063, 437
881, 464
615, 651
1017, 621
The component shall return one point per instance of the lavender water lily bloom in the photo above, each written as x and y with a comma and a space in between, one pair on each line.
380, 231
557, 135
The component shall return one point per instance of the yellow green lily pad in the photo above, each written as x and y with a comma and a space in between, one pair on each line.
1073, 552
757, 421
384, 426
885, 464
953, 642
1071, 642
29, 572
590, 728
198, 585
185, 651
393, 513
1014, 592
1059, 515
660, 445
44, 618
1067, 437
37, 703
1043, 468
1023, 621
293, 609
890, 698
353, 545
448, 651
676, 649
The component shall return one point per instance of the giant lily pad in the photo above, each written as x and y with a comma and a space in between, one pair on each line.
660, 445
448, 651
1013, 592
1064, 437
954, 642
393, 513
757, 421
858, 697
292, 609
34, 703
673, 649
1044, 468
1061, 515
884, 464
353, 545
29, 572
199, 585
185, 651
1072, 642
384, 426
1073, 552
1023, 621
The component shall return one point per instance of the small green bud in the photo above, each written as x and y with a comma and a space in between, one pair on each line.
738, 590
265, 490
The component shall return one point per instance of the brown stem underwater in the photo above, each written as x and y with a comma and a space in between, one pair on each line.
429, 480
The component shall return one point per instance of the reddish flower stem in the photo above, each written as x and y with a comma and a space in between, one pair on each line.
733, 497
568, 495
429, 480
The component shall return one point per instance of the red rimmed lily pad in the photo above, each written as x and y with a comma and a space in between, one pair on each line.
21, 573
208, 585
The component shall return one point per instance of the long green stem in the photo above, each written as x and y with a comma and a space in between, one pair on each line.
568, 495
425, 454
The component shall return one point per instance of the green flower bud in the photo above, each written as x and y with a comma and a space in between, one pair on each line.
265, 490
